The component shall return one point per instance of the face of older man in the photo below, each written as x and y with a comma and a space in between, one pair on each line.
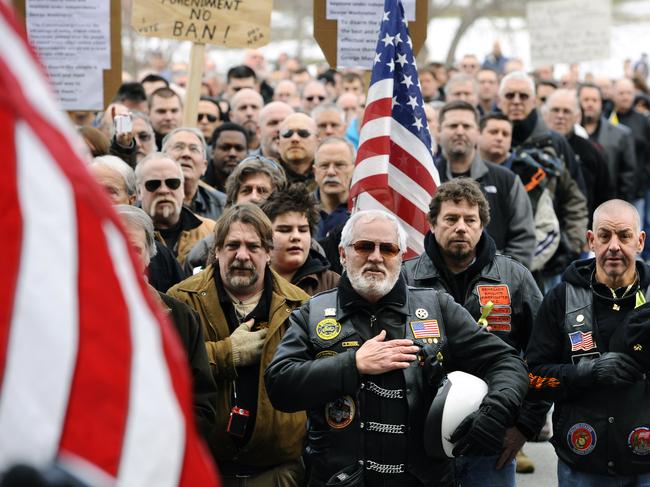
458, 134
623, 95
145, 142
561, 112
245, 109
616, 240
517, 99
187, 149
113, 183
138, 240
371, 263
330, 122
463, 90
333, 168
457, 230
270, 119
298, 142
591, 104
242, 260
161, 191
313, 95
207, 118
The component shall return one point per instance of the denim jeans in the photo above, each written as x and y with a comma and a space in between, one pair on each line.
568, 477
481, 472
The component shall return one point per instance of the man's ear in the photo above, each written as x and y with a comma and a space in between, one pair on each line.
342, 258
590, 239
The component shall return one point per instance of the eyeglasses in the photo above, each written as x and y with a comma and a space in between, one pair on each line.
211, 118
511, 95
143, 136
312, 98
302, 133
367, 247
153, 184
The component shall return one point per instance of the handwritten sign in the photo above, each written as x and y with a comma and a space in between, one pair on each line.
230, 23
569, 31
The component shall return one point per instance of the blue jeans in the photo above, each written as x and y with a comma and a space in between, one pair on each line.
568, 477
482, 472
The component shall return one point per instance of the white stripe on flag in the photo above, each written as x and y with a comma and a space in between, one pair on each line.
414, 146
408, 188
154, 443
41, 357
379, 127
414, 239
372, 166
380, 89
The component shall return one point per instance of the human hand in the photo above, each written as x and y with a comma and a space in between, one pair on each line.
246, 344
377, 356
513, 442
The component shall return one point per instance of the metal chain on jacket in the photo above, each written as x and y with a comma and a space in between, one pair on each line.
384, 468
393, 429
381, 392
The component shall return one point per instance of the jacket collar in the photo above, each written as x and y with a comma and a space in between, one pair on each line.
477, 170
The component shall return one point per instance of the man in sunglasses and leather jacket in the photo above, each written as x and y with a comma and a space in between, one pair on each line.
352, 359
501, 295
159, 180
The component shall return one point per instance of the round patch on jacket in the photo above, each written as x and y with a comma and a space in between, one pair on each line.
639, 440
581, 439
340, 413
328, 329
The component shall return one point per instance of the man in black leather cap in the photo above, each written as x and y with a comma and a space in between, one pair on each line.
350, 358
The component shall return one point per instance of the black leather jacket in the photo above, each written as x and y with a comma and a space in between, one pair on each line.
314, 369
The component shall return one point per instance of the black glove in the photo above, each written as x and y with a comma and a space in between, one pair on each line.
610, 369
482, 432
430, 358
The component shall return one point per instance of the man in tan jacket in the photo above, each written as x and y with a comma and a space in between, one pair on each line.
243, 306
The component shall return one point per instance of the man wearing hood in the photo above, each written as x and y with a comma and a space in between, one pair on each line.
294, 217
579, 357
461, 259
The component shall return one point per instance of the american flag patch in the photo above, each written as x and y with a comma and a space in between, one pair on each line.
581, 341
425, 329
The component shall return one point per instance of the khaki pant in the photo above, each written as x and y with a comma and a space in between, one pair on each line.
290, 474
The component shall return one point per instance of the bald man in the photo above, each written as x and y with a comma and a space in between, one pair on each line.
245, 107
297, 146
562, 113
581, 356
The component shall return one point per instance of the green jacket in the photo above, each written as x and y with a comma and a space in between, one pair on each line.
278, 437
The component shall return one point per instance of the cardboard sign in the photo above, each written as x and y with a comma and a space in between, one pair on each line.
229, 23
569, 31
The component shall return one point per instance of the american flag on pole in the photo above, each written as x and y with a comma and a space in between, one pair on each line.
89, 373
581, 341
394, 170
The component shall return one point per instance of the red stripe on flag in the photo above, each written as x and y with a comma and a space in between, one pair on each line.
377, 183
98, 406
405, 162
377, 146
377, 109
11, 224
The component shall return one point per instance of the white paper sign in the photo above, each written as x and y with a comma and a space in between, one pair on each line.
569, 31
358, 23
73, 41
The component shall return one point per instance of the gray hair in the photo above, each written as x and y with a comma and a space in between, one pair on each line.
254, 165
199, 135
335, 139
116, 164
461, 78
138, 218
139, 168
138, 115
516, 75
328, 107
369, 215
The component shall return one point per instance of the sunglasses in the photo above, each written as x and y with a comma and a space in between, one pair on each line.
513, 94
211, 118
153, 184
367, 247
302, 133
314, 97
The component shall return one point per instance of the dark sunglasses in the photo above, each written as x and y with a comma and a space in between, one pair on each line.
513, 94
211, 118
366, 247
314, 97
153, 184
302, 133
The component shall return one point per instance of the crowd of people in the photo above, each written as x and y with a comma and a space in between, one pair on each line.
315, 350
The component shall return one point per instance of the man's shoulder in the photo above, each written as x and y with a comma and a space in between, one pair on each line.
199, 282
286, 290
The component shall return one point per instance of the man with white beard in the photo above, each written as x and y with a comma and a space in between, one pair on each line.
377, 342
159, 181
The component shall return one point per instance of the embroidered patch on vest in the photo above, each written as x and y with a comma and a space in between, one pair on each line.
351, 343
421, 314
496, 300
581, 439
340, 413
329, 312
425, 329
328, 329
639, 440
325, 353
581, 341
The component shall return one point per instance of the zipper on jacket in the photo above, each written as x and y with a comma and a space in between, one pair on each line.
373, 319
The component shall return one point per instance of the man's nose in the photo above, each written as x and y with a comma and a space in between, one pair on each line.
375, 255
242, 253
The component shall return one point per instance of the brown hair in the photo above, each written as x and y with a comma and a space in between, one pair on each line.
95, 140
457, 190
245, 213
295, 198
